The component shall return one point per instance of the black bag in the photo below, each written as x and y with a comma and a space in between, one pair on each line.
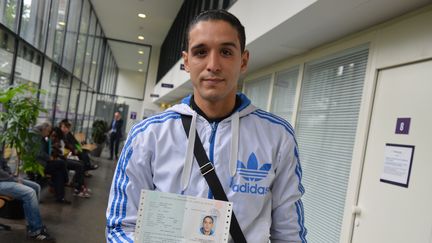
12, 210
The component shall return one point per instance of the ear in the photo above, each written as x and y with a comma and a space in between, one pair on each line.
185, 56
244, 61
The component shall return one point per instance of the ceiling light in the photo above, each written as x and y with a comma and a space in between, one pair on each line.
140, 70
94, 62
140, 37
141, 15
140, 62
62, 23
141, 52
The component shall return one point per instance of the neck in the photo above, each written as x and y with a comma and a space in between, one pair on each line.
218, 109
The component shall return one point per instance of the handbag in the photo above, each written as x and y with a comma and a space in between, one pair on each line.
208, 172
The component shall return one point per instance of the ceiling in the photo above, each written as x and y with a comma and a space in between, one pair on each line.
119, 20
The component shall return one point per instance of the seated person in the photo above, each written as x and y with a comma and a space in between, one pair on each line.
74, 146
56, 168
57, 154
10, 186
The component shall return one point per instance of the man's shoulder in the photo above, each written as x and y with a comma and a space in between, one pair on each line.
271, 119
158, 119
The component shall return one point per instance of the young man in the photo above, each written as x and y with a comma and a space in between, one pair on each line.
74, 146
254, 153
115, 135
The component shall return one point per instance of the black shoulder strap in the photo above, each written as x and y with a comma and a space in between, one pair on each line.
207, 170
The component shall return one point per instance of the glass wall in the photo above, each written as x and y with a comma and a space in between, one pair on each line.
34, 22
71, 36
8, 13
7, 49
82, 40
28, 65
57, 29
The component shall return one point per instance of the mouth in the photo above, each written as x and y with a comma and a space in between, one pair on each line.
212, 80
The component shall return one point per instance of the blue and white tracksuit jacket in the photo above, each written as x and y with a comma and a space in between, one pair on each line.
255, 156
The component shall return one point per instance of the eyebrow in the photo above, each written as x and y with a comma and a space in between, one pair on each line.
198, 46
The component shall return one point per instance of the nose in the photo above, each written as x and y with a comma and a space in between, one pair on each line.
213, 62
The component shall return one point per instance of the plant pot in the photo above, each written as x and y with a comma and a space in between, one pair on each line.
98, 150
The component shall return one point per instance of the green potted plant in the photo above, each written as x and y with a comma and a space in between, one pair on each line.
99, 136
20, 109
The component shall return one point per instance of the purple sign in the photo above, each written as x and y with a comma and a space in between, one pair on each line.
133, 115
402, 125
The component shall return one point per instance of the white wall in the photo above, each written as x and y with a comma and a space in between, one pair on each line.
130, 84
400, 41
258, 17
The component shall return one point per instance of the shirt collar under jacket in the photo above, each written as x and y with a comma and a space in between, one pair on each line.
244, 108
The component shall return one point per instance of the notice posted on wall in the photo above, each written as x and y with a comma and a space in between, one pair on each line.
397, 164
166, 217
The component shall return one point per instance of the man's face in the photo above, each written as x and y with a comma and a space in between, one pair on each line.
207, 224
116, 116
64, 129
214, 60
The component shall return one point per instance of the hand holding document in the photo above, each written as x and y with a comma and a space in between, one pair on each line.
166, 217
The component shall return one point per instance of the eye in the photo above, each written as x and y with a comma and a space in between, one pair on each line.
226, 52
200, 53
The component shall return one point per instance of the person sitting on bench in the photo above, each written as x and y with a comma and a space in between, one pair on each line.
18, 189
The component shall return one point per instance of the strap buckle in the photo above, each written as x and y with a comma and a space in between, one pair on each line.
206, 168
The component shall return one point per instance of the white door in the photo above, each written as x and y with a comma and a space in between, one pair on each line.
392, 213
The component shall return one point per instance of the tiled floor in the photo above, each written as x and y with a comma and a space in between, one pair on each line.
83, 221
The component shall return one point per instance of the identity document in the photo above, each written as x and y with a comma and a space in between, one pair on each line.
171, 218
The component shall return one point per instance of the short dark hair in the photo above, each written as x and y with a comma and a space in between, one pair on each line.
66, 123
208, 217
218, 14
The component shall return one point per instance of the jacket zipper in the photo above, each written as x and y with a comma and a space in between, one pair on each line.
214, 126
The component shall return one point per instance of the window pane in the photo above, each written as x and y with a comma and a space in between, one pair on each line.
8, 13
28, 66
73, 100
62, 97
326, 128
97, 53
82, 40
89, 51
71, 34
57, 29
258, 90
82, 101
284, 90
7, 43
49, 87
34, 22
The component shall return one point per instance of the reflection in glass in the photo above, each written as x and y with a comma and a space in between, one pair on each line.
81, 106
57, 29
284, 91
8, 13
49, 85
28, 66
71, 113
62, 96
82, 40
34, 22
71, 34
6, 55
258, 90
89, 50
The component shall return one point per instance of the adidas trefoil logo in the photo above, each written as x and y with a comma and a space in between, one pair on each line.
251, 172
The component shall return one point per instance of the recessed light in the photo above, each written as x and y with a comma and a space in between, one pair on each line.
140, 70
141, 15
141, 52
140, 37
140, 62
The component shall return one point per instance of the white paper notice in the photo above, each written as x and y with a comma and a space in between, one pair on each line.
397, 164
172, 218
